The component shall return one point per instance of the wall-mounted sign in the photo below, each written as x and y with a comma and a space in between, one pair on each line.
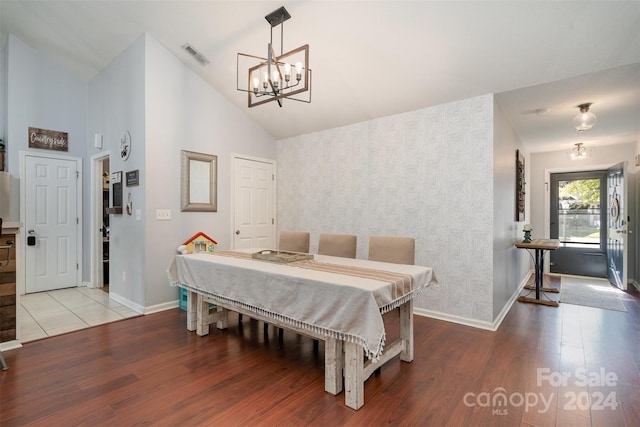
132, 178
48, 139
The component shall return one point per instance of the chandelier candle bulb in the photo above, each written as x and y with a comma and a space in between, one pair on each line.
298, 70
256, 84
287, 71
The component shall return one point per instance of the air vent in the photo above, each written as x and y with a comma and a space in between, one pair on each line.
197, 55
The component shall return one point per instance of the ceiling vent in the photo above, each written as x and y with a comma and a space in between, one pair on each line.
197, 55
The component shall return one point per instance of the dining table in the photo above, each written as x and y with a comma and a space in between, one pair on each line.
340, 301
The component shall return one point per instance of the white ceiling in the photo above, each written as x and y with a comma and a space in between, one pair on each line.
377, 58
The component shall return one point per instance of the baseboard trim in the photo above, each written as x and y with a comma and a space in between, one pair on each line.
126, 302
452, 318
490, 326
162, 307
10, 345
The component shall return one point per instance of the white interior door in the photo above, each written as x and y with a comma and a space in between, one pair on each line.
617, 225
51, 221
254, 210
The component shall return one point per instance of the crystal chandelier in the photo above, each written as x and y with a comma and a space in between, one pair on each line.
275, 77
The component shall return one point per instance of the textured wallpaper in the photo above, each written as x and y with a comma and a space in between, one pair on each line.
427, 174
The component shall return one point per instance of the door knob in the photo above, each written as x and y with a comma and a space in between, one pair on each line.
237, 231
31, 231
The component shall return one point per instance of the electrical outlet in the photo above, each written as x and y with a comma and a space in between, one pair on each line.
138, 214
163, 214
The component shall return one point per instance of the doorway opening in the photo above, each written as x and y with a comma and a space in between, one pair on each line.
578, 218
100, 227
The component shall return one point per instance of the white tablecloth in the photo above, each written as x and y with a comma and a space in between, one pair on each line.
342, 306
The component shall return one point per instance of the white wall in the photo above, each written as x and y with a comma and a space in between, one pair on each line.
637, 216
185, 113
510, 265
117, 104
600, 158
426, 174
41, 94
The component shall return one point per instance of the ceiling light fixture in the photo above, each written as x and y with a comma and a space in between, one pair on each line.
585, 119
275, 77
578, 152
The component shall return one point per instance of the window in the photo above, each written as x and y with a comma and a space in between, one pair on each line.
579, 211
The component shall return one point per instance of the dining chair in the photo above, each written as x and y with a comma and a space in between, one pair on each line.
340, 245
294, 241
397, 250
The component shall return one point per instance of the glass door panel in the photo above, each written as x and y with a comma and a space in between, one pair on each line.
578, 221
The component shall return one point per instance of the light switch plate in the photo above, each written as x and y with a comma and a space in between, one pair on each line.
163, 214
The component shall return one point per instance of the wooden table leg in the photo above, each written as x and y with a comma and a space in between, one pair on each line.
202, 310
353, 375
406, 330
333, 364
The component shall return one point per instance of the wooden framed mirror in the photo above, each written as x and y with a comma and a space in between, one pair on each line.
198, 180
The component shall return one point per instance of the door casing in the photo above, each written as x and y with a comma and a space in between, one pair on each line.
97, 276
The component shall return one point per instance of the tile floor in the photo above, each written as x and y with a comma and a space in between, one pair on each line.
44, 314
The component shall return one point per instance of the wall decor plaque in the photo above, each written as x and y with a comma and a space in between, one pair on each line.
132, 178
520, 187
48, 139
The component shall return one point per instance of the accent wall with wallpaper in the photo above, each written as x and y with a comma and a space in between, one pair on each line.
428, 174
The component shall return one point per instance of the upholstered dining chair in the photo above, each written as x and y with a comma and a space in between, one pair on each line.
397, 250
340, 245
294, 241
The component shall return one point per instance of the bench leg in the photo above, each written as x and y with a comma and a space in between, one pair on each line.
192, 315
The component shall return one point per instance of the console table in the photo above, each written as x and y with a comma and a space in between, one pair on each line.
539, 246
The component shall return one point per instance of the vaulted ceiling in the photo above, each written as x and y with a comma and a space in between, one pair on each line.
377, 58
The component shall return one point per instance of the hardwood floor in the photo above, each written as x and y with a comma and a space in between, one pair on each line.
151, 370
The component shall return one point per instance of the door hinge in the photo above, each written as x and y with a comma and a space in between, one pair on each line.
273, 177
77, 174
77, 266
77, 220
272, 221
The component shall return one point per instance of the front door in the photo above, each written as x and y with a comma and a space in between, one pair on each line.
51, 221
617, 225
254, 210
578, 216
